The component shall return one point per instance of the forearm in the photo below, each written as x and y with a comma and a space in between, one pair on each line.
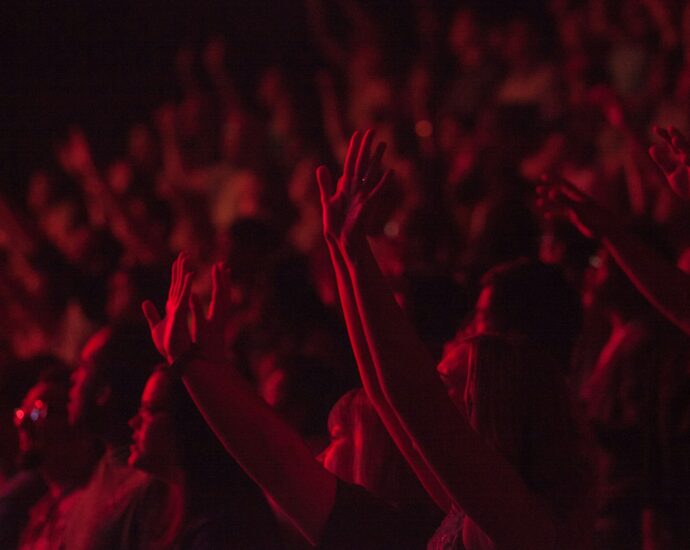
371, 385
661, 282
265, 446
475, 476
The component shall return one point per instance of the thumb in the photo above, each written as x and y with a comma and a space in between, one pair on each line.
151, 314
325, 181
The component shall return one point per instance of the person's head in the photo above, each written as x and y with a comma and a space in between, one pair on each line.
154, 448
170, 436
517, 399
533, 299
302, 389
108, 381
41, 420
607, 285
361, 451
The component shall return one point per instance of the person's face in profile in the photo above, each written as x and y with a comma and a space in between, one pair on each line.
153, 446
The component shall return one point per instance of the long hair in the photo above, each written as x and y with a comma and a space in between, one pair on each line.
523, 410
377, 463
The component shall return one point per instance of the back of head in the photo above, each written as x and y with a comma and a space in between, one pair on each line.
534, 299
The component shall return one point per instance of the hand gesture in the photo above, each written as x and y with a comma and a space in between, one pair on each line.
171, 333
348, 208
672, 156
557, 196
208, 330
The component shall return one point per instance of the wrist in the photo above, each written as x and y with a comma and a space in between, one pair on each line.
179, 364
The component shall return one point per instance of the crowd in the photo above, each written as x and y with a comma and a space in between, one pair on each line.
465, 326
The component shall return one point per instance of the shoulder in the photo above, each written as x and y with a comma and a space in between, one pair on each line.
360, 520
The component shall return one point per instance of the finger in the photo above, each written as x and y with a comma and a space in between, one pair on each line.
364, 153
198, 317
185, 272
379, 189
375, 164
151, 314
183, 301
351, 157
325, 183
215, 276
661, 154
679, 141
172, 291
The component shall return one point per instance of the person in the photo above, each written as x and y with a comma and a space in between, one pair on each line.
118, 507
209, 501
663, 284
630, 400
326, 511
65, 457
467, 462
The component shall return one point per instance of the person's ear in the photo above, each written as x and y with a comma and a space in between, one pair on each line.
103, 396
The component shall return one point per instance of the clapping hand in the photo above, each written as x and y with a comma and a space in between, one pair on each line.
171, 334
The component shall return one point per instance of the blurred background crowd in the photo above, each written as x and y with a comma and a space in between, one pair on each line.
476, 102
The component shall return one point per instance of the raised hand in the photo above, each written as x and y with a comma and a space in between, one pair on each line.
557, 196
350, 206
171, 333
208, 329
672, 156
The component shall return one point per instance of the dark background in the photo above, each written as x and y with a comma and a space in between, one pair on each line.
104, 64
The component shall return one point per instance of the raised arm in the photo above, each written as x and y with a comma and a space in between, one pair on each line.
672, 156
477, 478
75, 157
266, 447
357, 165
665, 286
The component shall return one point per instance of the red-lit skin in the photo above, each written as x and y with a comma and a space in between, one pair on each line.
340, 455
247, 427
153, 441
402, 381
